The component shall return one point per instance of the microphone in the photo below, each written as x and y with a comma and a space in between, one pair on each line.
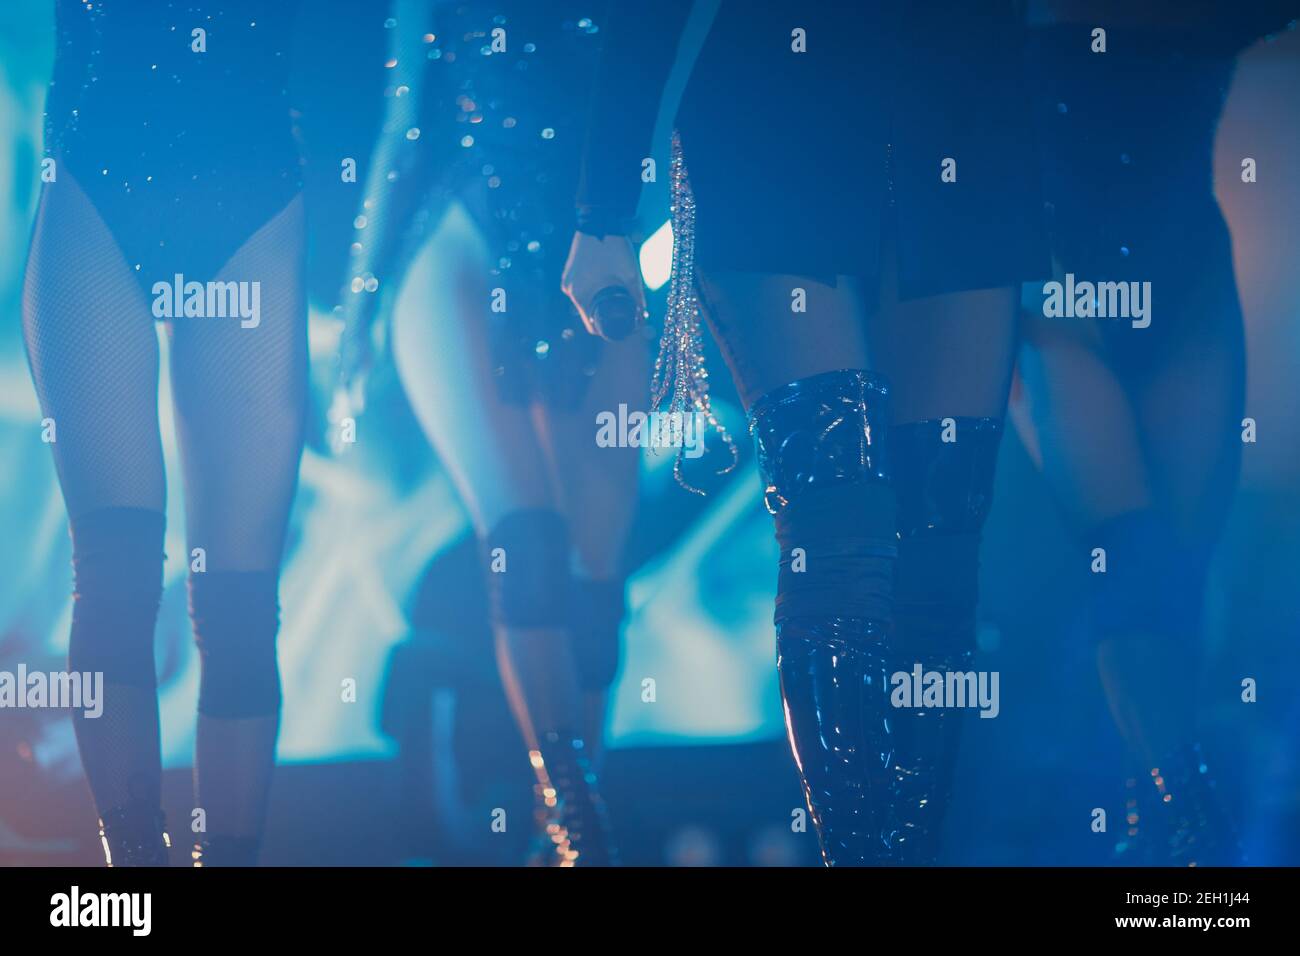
616, 312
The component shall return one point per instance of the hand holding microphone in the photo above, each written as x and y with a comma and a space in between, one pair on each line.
603, 281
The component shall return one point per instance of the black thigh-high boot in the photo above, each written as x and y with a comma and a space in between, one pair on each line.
943, 470
820, 444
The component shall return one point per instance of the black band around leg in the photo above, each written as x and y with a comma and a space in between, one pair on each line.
117, 557
236, 615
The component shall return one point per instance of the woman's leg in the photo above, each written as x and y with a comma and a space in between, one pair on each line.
93, 348
1171, 437
240, 396
767, 344
1149, 482
949, 359
600, 499
444, 354
1092, 454
1193, 460
820, 421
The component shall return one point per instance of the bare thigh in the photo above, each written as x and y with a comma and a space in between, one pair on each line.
776, 329
600, 484
945, 355
1075, 410
443, 353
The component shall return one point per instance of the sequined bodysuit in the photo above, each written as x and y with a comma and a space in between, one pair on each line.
502, 91
174, 119
507, 127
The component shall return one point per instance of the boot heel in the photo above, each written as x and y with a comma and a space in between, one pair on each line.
134, 836
571, 819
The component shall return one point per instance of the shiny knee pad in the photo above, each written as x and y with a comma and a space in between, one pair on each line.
236, 615
117, 559
944, 470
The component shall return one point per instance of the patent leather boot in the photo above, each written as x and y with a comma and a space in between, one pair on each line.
833, 674
821, 454
943, 474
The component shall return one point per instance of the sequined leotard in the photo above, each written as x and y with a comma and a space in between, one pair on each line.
509, 127
500, 128
181, 139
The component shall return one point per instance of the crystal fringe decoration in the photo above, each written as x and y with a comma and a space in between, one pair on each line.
680, 386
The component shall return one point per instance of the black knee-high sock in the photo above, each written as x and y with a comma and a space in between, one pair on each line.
236, 617
118, 562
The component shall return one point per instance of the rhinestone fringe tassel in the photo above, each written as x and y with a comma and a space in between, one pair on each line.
680, 386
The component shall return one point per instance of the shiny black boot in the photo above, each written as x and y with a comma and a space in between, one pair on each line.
833, 683
571, 818
134, 835
820, 444
943, 474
